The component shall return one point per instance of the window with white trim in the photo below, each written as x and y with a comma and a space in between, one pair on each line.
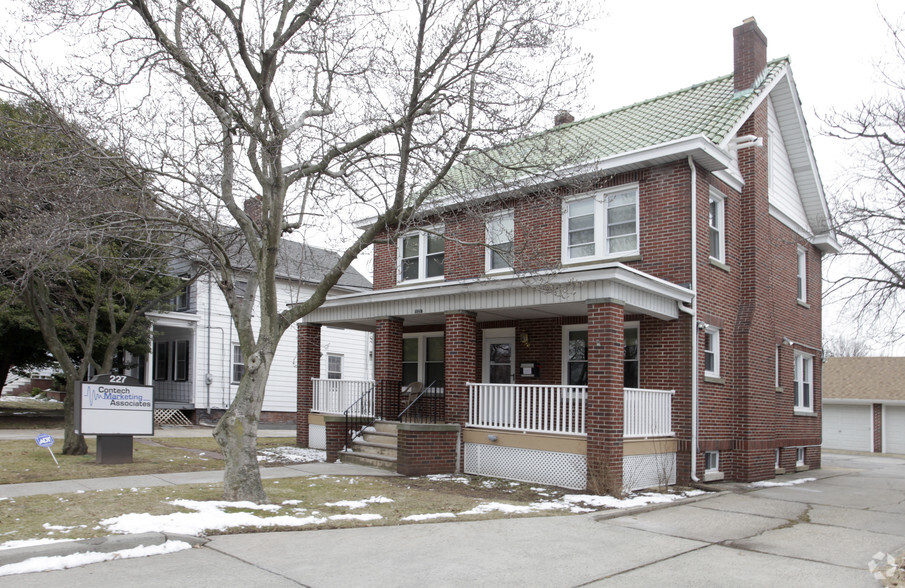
238, 364
499, 237
184, 296
421, 256
423, 359
777, 461
711, 461
602, 225
802, 274
799, 456
334, 366
717, 223
712, 352
575, 355
804, 382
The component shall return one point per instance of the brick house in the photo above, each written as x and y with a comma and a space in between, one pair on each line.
645, 310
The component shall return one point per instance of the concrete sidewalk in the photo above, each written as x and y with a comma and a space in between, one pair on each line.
819, 533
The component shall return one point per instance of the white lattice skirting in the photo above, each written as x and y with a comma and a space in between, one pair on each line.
648, 471
171, 416
568, 470
317, 436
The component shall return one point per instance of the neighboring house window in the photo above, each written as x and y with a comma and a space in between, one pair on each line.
712, 352
799, 456
334, 367
183, 297
575, 352
717, 226
161, 360
180, 361
602, 225
423, 360
421, 256
804, 378
711, 461
802, 274
500, 231
241, 287
238, 364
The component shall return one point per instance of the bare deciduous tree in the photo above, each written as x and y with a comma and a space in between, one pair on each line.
319, 110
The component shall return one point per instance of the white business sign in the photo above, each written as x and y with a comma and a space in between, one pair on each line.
116, 405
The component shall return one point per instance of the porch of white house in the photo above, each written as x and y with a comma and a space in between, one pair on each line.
527, 432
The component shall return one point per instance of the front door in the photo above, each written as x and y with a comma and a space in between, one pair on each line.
499, 360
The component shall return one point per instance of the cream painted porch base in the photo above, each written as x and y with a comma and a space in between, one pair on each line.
317, 431
559, 460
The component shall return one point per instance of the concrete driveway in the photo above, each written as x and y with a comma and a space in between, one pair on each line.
820, 533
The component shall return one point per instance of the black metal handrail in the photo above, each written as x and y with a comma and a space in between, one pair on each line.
427, 407
365, 405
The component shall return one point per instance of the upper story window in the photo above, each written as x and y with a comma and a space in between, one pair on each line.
421, 256
602, 225
712, 352
717, 226
183, 297
804, 382
499, 238
802, 274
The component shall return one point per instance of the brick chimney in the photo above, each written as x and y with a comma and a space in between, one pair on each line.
254, 209
750, 45
563, 117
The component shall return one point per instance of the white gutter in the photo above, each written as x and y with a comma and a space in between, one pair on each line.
694, 322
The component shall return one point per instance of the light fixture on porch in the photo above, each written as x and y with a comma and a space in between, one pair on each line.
524, 339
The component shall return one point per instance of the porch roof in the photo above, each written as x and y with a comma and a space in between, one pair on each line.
563, 293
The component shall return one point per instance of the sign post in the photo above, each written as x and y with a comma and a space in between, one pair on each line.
114, 408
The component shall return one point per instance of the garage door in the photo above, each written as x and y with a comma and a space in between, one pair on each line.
847, 426
894, 430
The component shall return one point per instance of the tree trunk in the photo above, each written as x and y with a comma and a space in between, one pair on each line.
237, 433
72, 444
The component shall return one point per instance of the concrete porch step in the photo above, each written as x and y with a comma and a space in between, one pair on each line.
380, 438
386, 427
376, 447
372, 448
373, 460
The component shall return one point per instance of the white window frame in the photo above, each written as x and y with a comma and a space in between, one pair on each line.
716, 222
714, 334
777, 461
637, 326
423, 238
492, 236
799, 456
334, 372
238, 361
802, 274
714, 457
804, 382
566, 329
422, 352
601, 241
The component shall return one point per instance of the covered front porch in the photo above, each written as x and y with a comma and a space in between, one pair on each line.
539, 384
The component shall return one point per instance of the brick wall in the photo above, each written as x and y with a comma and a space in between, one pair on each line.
426, 449
461, 363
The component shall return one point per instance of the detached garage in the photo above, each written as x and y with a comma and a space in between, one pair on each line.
864, 404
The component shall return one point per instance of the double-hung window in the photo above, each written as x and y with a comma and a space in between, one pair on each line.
181, 361
500, 237
423, 360
161, 360
421, 256
717, 226
802, 274
602, 225
575, 354
238, 364
334, 366
712, 352
804, 382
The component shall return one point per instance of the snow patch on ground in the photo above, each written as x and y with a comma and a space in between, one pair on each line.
360, 503
62, 562
427, 517
772, 484
291, 454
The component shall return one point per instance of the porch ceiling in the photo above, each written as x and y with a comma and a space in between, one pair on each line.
565, 293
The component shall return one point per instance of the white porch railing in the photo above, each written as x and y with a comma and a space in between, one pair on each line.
648, 413
528, 407
562, 409
335, 396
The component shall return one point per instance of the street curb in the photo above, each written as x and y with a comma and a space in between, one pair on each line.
109, 544
622, 512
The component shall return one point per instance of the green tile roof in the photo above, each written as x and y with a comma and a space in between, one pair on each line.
710, 109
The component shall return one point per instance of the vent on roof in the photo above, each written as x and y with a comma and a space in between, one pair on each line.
563, 117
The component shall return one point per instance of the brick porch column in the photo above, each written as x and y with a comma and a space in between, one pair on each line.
388, 365
606, 396
308, 366
461, 363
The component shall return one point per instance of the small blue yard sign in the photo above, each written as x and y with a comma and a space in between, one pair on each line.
45, 440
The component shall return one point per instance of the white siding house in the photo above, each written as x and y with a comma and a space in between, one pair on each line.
195, 363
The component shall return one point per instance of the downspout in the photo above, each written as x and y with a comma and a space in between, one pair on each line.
208, 377
694, 322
